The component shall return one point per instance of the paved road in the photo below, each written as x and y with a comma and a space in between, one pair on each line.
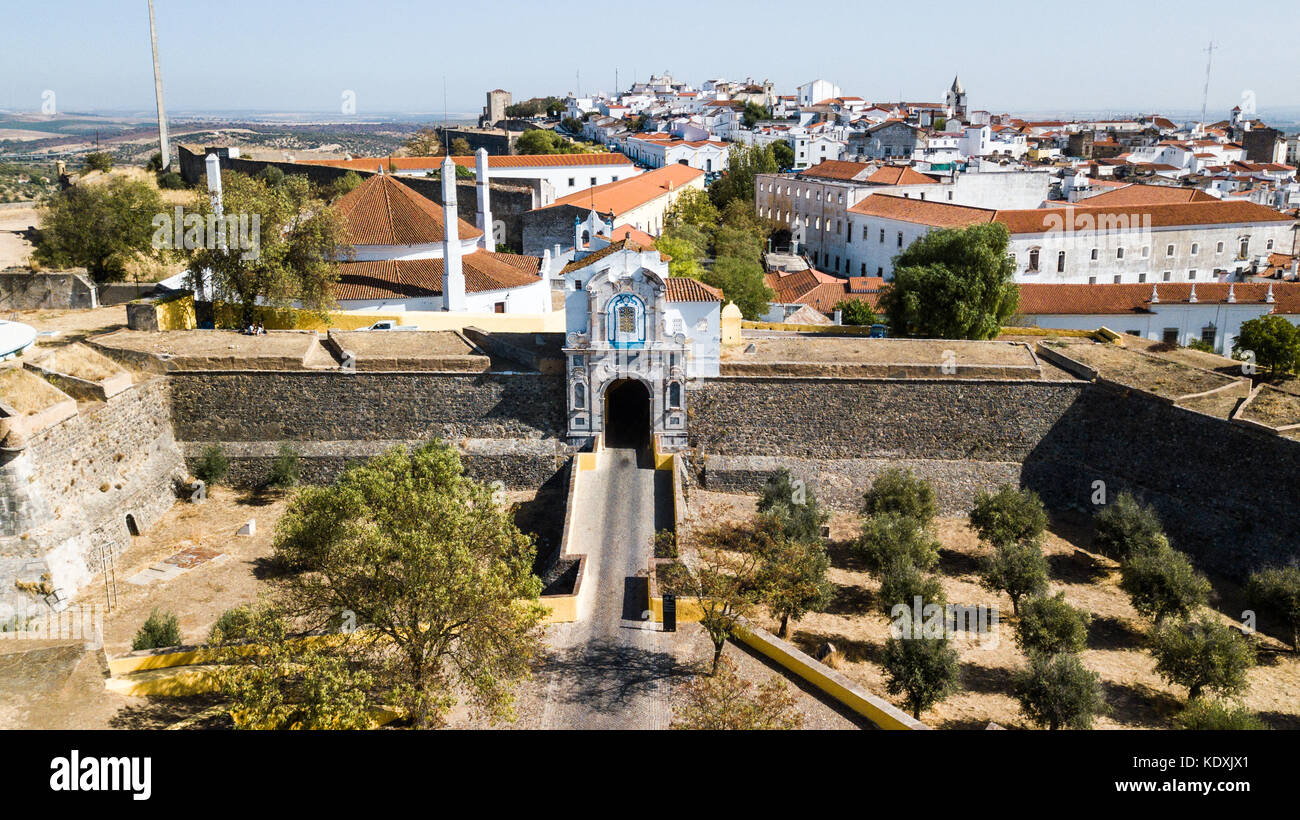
611, 669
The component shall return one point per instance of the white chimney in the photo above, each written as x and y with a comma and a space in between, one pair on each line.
484, 220
453, 277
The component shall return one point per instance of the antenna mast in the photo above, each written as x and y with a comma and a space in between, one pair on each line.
163, 148
1205, 95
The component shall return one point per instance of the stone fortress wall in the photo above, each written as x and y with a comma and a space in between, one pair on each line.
1226, 491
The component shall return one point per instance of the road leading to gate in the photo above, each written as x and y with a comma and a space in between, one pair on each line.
611, 669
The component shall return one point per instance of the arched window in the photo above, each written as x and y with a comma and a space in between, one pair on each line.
675, 395
579, 396
625, 321
1060, 262
1033, 259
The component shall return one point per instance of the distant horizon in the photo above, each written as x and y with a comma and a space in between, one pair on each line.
300, 57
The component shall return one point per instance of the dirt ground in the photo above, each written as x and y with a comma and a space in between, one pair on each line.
1137, 696
64, 327
14, 250
811, 348
1161, 375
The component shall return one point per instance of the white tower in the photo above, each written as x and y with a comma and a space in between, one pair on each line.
453, 277
956, 100
484, 219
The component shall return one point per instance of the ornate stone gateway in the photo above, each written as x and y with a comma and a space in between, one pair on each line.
635, 336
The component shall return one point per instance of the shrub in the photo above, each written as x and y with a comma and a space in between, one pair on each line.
665, 544
1008, 516
171, 181
901, 584
1017, 569
1161, 582
1201, 655
271, 175
154, 163
1277, 592
1125, 527
284, 470
212, 464
1050, 626
890, 539
796, 505
1207, 715
99, 161
159, 630
923, 670
899, 491
1058, 690
233, 626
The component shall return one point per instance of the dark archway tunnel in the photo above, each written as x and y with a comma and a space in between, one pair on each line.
627, 414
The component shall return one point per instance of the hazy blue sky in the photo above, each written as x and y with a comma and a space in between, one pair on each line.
293, 55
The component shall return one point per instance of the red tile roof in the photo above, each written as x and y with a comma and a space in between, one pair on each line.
612, 248
494, 161
686, 289
625, 194
1135, 298
383, 211
413, 278
1147, 195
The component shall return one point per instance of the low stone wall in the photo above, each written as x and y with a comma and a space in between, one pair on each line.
23, 289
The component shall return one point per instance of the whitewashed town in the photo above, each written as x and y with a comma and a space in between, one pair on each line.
696, 403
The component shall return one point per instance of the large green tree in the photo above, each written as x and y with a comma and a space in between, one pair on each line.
744, 163
433, 570
1049, 625
1018, 569
724, 582
1273, 340
1202, 655
298, 238
742, 282
792, 579
795, 504
1126, 527
953, 284
103, 228
899, 490
1161, 583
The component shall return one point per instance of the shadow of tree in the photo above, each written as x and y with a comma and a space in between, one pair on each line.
953, 564
1077, 567
161, 712
608, 675
1280, 720
1136, 704
849, 599
843, 555
852, 650
996, 680
1109, 632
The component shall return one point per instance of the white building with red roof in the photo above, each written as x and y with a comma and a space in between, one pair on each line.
411, 254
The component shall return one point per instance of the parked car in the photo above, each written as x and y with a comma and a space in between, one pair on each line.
389, 324
879, 332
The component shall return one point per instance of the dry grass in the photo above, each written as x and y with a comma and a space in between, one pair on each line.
26, 392
1137, 696
81, 362
1156, 374
1273, 407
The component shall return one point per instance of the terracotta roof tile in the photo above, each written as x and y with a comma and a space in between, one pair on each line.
1135, 298
411, 278
686, 289
625, 194
1147, 195
383, 211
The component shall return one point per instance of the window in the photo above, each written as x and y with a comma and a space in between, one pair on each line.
499, 307
1092, 280
1170, 336
1119, 253
1118, 279
1245, 248
626, 319
882, 235
1208, 333
950, 196
848, 234
1168, 275
1219, 248
1060, 262
900, 239
1146, 251
571, 181
1169, 250
1269, 246
862, 270
1033, 261
675, 395
579, 396
864, 233
1196, 248
1142, 278
1094, 254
